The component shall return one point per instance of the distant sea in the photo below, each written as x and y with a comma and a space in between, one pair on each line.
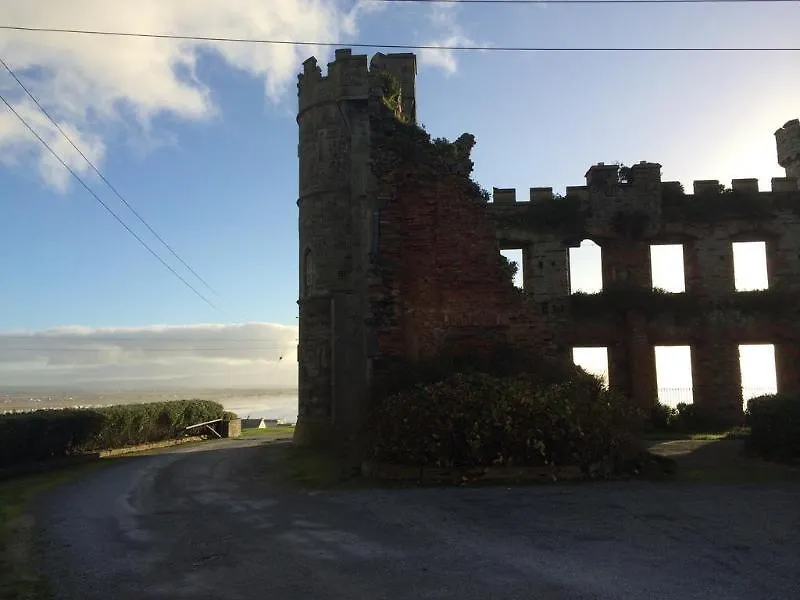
254, 403
268, 406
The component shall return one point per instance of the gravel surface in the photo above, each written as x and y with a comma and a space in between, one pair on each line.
204, 521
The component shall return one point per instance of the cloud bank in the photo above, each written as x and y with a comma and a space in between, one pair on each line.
242, 355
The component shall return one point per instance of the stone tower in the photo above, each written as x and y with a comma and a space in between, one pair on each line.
337, 201
788, 142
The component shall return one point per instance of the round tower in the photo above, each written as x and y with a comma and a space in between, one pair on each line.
332, 120
339, 231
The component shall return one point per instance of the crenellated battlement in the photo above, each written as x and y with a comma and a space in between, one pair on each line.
349, 78
643, 177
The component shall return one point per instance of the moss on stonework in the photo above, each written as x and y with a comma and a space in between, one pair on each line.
657, 302
392, 94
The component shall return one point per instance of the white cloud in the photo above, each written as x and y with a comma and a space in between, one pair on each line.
249, 354
360, 8
90, 82
443, 58
443, 19
16, 139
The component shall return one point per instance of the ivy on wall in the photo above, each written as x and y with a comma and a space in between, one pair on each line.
406, 141
392, 94
725, 204
658, 302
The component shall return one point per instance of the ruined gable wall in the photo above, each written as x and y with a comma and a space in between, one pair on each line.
439, 286
787, 140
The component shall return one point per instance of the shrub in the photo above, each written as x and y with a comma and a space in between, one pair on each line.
47, 434
683, 418
663, 417
503, 361
474, 420
774, 422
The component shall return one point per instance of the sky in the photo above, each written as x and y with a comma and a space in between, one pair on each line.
200, 138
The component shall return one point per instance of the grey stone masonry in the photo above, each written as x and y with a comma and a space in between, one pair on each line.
337, 205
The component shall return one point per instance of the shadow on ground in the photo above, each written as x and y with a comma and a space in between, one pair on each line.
722, 460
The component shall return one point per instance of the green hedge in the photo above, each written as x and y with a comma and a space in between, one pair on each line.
683, 418
774, 422
474, 420
47, 434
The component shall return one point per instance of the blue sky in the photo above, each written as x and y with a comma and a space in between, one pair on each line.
201, 139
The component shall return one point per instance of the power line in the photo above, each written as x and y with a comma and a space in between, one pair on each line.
40, 343
102, 340
143, 349
198, 38
580, 1
96, 170
103, 204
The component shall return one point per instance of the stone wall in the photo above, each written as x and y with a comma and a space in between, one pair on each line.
399, 257
627, 211
334, 154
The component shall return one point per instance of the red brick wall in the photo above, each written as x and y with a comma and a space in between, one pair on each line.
443, 287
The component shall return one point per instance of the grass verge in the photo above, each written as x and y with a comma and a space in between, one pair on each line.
723, 461
20, 578
307, 468
738, 433
270, 432
757, 473
312, 469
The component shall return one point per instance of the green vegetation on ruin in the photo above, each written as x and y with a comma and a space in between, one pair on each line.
657, 302
725, 204
409, 142
562, 213
392, 94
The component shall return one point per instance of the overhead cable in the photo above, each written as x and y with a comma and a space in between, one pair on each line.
484, 48
103, 204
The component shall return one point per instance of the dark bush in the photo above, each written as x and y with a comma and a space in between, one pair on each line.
504, 361
683, 418
479, 419
663, 418
47, 434
774, 422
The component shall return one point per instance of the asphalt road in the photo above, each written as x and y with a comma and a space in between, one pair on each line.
207, 523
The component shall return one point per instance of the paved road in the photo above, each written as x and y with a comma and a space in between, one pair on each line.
194, 524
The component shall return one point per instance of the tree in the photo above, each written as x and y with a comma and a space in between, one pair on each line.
510, 267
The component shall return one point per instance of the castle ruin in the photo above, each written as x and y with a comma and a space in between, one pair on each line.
399, 257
